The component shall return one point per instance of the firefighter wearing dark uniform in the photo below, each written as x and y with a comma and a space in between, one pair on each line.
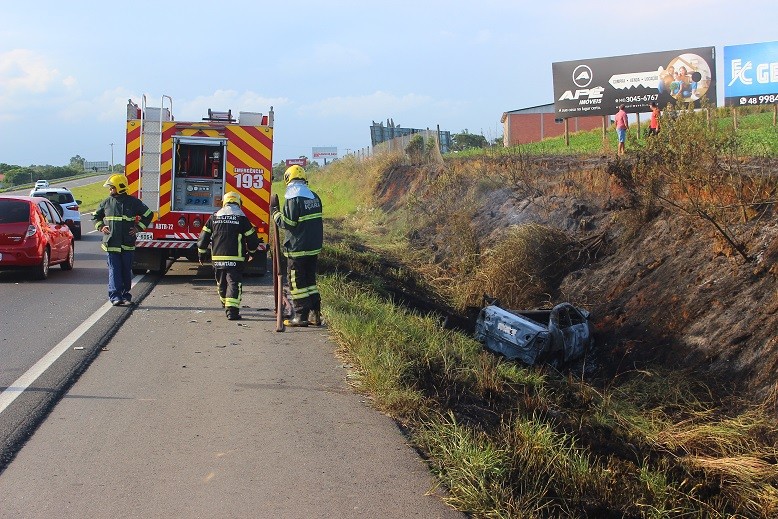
231, 238
301, 220
119, 217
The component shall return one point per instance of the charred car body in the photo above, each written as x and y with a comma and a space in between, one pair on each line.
557, 335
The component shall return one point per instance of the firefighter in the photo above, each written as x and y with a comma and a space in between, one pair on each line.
233, 240
301, 220
119, 217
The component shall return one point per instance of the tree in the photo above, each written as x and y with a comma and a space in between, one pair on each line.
77, 162
465, 140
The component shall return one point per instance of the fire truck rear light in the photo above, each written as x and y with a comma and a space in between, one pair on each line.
197, 223
182, 222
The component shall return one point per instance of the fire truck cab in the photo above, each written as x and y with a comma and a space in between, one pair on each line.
182, 169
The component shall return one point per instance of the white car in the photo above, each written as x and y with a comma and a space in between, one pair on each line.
40, 184
62, 198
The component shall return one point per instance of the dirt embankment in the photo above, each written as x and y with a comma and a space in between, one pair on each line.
663, 287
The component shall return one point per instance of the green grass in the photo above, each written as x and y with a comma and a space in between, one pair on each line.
90, 195
756, 133
514, 441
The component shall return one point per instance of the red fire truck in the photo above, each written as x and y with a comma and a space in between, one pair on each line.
181, 170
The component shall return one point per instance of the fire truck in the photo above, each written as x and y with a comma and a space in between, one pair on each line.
182, 169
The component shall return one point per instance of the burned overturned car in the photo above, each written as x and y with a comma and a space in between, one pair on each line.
557, 335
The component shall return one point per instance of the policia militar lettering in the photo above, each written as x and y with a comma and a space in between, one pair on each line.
301, 220
232, 239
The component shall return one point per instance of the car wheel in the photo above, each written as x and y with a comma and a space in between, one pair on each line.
42, 270
77, 233
68, 263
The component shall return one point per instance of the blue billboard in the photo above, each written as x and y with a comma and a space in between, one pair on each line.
751, 74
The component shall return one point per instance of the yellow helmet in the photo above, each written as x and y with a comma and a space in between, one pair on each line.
118, 181
294, 173
231, 197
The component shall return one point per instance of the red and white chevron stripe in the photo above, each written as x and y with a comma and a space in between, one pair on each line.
159, 244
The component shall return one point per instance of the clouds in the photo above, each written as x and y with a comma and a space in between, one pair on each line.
328, 69
370, 106
220, 101
28, 79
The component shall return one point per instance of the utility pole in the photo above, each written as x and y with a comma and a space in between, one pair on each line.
111, 157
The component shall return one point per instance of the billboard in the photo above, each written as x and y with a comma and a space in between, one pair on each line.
751, 74
598, 86
325, 153
98, 165
302, 161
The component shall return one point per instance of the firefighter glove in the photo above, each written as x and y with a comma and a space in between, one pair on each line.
274, 203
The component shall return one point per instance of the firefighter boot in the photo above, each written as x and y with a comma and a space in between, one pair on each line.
233, 313
301, 319
315, 318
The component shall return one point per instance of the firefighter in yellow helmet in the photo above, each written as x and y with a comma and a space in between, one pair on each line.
301, 220
232, 240
119, 217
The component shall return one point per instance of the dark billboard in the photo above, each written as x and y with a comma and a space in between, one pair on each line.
751, 74
598, 86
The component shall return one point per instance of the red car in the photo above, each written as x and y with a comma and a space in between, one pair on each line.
33, 235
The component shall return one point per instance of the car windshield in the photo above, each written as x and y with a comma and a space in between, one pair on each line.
14, 211
57, 198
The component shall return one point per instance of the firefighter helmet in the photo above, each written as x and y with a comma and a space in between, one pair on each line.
294, 172
117, 181
231, 197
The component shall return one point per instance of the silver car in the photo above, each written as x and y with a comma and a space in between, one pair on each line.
63, 199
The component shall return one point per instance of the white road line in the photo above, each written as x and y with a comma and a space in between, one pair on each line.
22, 383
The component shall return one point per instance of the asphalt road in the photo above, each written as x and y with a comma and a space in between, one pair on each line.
36, 315
190, 415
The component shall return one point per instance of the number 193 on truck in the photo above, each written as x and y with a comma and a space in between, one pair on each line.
182, 169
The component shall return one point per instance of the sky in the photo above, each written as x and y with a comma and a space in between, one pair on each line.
328, 69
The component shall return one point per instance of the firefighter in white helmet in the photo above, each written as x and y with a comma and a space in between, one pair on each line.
233, 240
119, 217
301, 220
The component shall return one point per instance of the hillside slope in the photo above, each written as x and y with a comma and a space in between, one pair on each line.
663, 286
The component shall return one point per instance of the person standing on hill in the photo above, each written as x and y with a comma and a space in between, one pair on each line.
653, 127
119, 217
301, 220
622, 125
232, 239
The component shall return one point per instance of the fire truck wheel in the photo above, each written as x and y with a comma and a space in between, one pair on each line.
161, 265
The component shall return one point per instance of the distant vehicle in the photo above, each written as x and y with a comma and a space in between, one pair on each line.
39, 184
33, 236
63, 198
557, 335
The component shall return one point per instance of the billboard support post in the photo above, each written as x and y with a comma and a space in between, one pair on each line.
638, 114
734, 116
604, 128
567, 132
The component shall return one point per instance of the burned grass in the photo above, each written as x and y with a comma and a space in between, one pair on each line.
514, 441
676, 418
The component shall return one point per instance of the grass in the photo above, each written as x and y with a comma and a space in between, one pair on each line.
90, 195
512, 441
756, 132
